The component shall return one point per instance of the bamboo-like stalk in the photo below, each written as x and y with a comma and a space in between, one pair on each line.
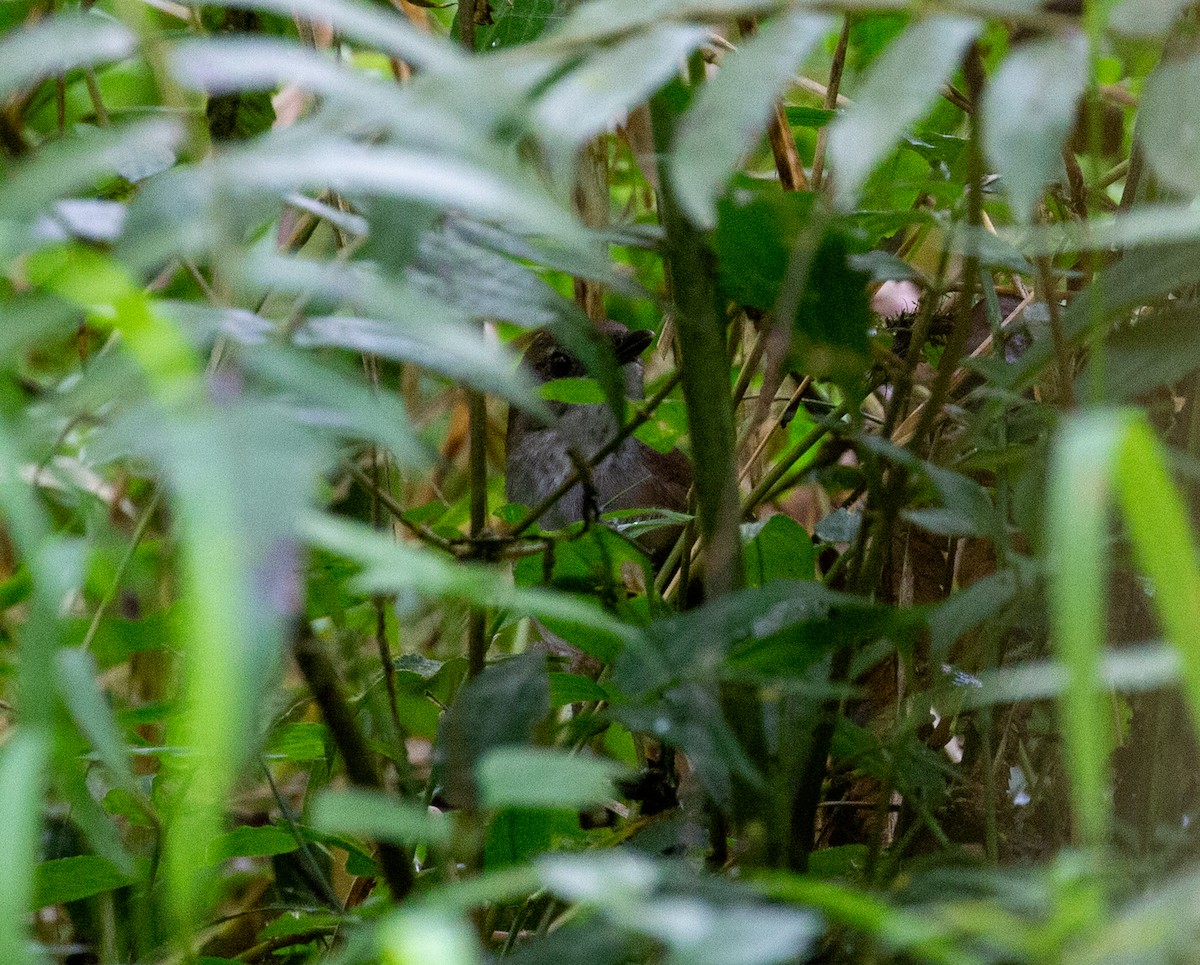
704, 363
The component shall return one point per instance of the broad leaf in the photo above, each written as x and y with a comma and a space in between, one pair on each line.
58, 44
1167, 123
380, 817
527, 777
732, 109
897, 93
1029, 109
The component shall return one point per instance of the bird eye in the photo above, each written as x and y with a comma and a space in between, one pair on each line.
560, 365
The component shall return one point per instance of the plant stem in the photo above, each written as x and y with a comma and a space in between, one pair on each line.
477, 627
831, 99
326, 688
704, 363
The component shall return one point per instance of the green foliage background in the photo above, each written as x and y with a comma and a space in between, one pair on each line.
268, 686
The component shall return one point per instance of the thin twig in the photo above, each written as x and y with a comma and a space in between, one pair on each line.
114, 587
323, 682
831, 100
419, 530
477, 465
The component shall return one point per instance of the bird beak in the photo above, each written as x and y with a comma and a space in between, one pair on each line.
630, 345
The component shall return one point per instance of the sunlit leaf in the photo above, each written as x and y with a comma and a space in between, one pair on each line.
427, 936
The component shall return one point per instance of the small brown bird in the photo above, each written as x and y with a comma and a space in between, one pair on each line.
634, 477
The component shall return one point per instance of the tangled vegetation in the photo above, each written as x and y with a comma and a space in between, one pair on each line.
916, 676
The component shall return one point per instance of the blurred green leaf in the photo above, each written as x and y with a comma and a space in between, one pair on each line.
528, 777
611, 82
22, 777
1155, 349
896, 93
1029, 109
427, 936
499, 708
389, 567
248, 842
569, 688
71, 879
58, 44
1101, 457
366, 23
380, 817
1169, 102
730, 112
80, 692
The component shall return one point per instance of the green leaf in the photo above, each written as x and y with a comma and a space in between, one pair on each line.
830, 337
569, 688
578, 391
499, 708
1166, 123
389, 567
57, 45
529, 777
966, 609
81, 693
779, 549
808, 116
298, 743
519, 22
756, 231
1029, 109
896, 94
605, 86
22, 769
248, 842
515, 836
731, 111
380, 817
70, 879
966, 509
1155, 349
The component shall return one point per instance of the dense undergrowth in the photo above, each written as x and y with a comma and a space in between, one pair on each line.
919, 680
